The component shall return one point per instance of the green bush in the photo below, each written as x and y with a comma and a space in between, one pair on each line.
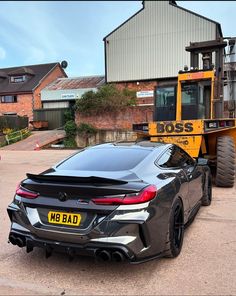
70, 128
107, 99
86, 130
69, 115
70, 143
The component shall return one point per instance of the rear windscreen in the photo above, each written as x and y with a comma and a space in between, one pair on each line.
116, 159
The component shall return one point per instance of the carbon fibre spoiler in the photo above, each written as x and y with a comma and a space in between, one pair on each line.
73, 179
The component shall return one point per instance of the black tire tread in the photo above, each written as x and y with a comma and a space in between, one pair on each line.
207, 197
225, 167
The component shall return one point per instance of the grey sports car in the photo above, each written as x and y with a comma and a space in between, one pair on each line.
112, 201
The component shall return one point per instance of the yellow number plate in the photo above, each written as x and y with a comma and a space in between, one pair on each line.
64, 218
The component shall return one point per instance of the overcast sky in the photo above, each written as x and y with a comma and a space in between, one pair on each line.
33, 32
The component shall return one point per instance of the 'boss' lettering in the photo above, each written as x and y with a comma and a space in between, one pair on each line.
188, 127
160, 128
177, 128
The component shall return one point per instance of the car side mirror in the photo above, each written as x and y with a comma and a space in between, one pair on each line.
202, 161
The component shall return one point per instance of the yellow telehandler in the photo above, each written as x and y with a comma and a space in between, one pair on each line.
191, 113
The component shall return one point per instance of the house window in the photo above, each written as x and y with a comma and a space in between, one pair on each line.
16, 79
9, 99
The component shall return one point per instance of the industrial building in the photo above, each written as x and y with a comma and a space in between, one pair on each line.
63, 92
149, 48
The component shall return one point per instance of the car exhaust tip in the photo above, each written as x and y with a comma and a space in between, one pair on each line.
17, 240
20, 242
12, 239
117, 256
104, 256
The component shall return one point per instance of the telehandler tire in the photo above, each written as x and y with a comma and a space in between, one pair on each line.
225, 164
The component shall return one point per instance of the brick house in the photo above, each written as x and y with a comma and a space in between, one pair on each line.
20, 87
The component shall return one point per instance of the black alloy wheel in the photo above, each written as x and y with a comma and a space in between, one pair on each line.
176, 230
178, 227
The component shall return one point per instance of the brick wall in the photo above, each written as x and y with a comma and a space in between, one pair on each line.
22, 107
140, 86
56, 73
121, 120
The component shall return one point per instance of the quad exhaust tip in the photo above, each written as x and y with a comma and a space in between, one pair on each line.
106, 256
117, 256
17, 240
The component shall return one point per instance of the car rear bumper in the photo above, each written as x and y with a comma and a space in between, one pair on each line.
124, 235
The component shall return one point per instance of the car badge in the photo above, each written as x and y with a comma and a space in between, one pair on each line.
62, 196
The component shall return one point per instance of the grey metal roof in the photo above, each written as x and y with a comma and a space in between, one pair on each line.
76, 83
35, 73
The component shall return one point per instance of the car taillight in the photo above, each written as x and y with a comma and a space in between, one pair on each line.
145, 195
25, 193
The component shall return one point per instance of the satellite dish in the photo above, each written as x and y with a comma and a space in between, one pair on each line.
64, 64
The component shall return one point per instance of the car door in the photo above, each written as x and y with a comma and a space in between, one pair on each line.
194, 176
171, 160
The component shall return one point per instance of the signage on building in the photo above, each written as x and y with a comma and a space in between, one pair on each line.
144, 93
68, 96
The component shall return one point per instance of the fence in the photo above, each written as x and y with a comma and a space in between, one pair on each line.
17, 136
54, 116
13, 122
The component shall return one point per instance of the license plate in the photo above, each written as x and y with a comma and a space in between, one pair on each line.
64, 218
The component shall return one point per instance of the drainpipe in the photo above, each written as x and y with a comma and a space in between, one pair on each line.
33, 105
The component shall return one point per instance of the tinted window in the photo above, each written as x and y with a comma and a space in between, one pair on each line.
187, 159
110, 159
165, 96
174, 157
189, 94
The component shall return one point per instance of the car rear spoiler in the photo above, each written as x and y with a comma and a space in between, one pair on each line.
73, 179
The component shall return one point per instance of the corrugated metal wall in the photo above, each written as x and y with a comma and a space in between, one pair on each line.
55, 117
152, 44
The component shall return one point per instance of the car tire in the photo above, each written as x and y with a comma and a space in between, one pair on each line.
225, 166
176, 230
207, 197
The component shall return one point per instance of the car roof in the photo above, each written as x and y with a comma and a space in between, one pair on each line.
147, 145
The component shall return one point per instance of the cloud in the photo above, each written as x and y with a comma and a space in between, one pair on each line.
2, 53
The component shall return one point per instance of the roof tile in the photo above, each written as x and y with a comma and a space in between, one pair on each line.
35, 74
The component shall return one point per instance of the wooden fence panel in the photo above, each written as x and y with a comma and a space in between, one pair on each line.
13, 122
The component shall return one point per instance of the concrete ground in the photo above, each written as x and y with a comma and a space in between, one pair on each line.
206, 266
